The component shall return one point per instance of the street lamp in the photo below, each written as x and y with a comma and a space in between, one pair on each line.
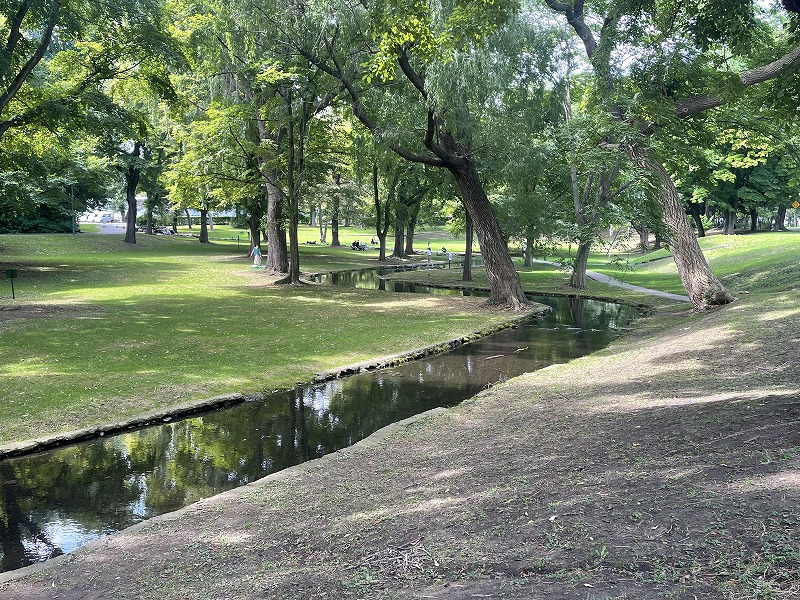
72, 197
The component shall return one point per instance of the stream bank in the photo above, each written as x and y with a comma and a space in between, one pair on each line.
627, 473
109, 482
204, 405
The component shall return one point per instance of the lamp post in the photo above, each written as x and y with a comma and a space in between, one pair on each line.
72, 197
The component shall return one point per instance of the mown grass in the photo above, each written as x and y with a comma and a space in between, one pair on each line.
764, 262
101, 330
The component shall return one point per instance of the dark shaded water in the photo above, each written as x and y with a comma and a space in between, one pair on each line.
56, 501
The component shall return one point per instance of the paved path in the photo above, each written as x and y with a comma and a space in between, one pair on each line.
611, 281
111, 228
599, 277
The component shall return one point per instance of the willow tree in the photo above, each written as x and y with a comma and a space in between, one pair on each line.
682, 58
439, 65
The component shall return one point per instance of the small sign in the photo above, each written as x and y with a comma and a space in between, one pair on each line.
795, 204
11, 274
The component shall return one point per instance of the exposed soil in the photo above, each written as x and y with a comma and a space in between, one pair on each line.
37, 311
665, 466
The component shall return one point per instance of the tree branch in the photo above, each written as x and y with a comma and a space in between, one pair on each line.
574, 14
418, 81
34, 59
697, 104
415, 78
14, 34
337, 71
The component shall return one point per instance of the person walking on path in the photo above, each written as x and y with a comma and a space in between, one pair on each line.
256, 256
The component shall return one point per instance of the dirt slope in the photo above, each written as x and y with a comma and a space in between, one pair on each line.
665, 466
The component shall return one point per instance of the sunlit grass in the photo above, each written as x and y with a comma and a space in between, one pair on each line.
762, 261
101, 329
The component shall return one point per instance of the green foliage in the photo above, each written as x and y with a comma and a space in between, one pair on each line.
741, 168
65, 105
431, 31
724, 22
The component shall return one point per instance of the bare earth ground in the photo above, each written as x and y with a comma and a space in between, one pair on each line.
665, 466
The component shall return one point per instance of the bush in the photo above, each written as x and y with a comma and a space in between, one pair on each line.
44, 222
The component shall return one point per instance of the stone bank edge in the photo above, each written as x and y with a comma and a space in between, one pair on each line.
187, 409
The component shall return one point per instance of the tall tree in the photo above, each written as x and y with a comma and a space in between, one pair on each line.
681, 59
411, 191
436, 54
131, 165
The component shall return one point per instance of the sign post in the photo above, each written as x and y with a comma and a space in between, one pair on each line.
12, 275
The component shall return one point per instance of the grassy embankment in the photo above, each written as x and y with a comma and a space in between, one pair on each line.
758, 263
665, 466
101, 330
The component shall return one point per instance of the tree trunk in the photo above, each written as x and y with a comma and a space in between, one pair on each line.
780, 219
254, 226
466, 268
323, 228
174, 222
399, 250
412, 225
277, 256
694, 208
753, 219
188, 218
294, 173
335, 216
703, 288
644, 237
408, 207
294, 246
203, 225
729, 223
399, 230
578, 278
383, 213
527, 251
131, 181
412, 215
504, 284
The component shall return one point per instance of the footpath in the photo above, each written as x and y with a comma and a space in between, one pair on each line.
602, 278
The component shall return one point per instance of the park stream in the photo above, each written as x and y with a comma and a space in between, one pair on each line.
55, 501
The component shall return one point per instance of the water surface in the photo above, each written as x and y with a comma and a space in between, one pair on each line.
55, 501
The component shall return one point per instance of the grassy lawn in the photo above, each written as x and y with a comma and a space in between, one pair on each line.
765, 261
101, 330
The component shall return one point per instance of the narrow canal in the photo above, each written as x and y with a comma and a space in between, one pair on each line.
56, 501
